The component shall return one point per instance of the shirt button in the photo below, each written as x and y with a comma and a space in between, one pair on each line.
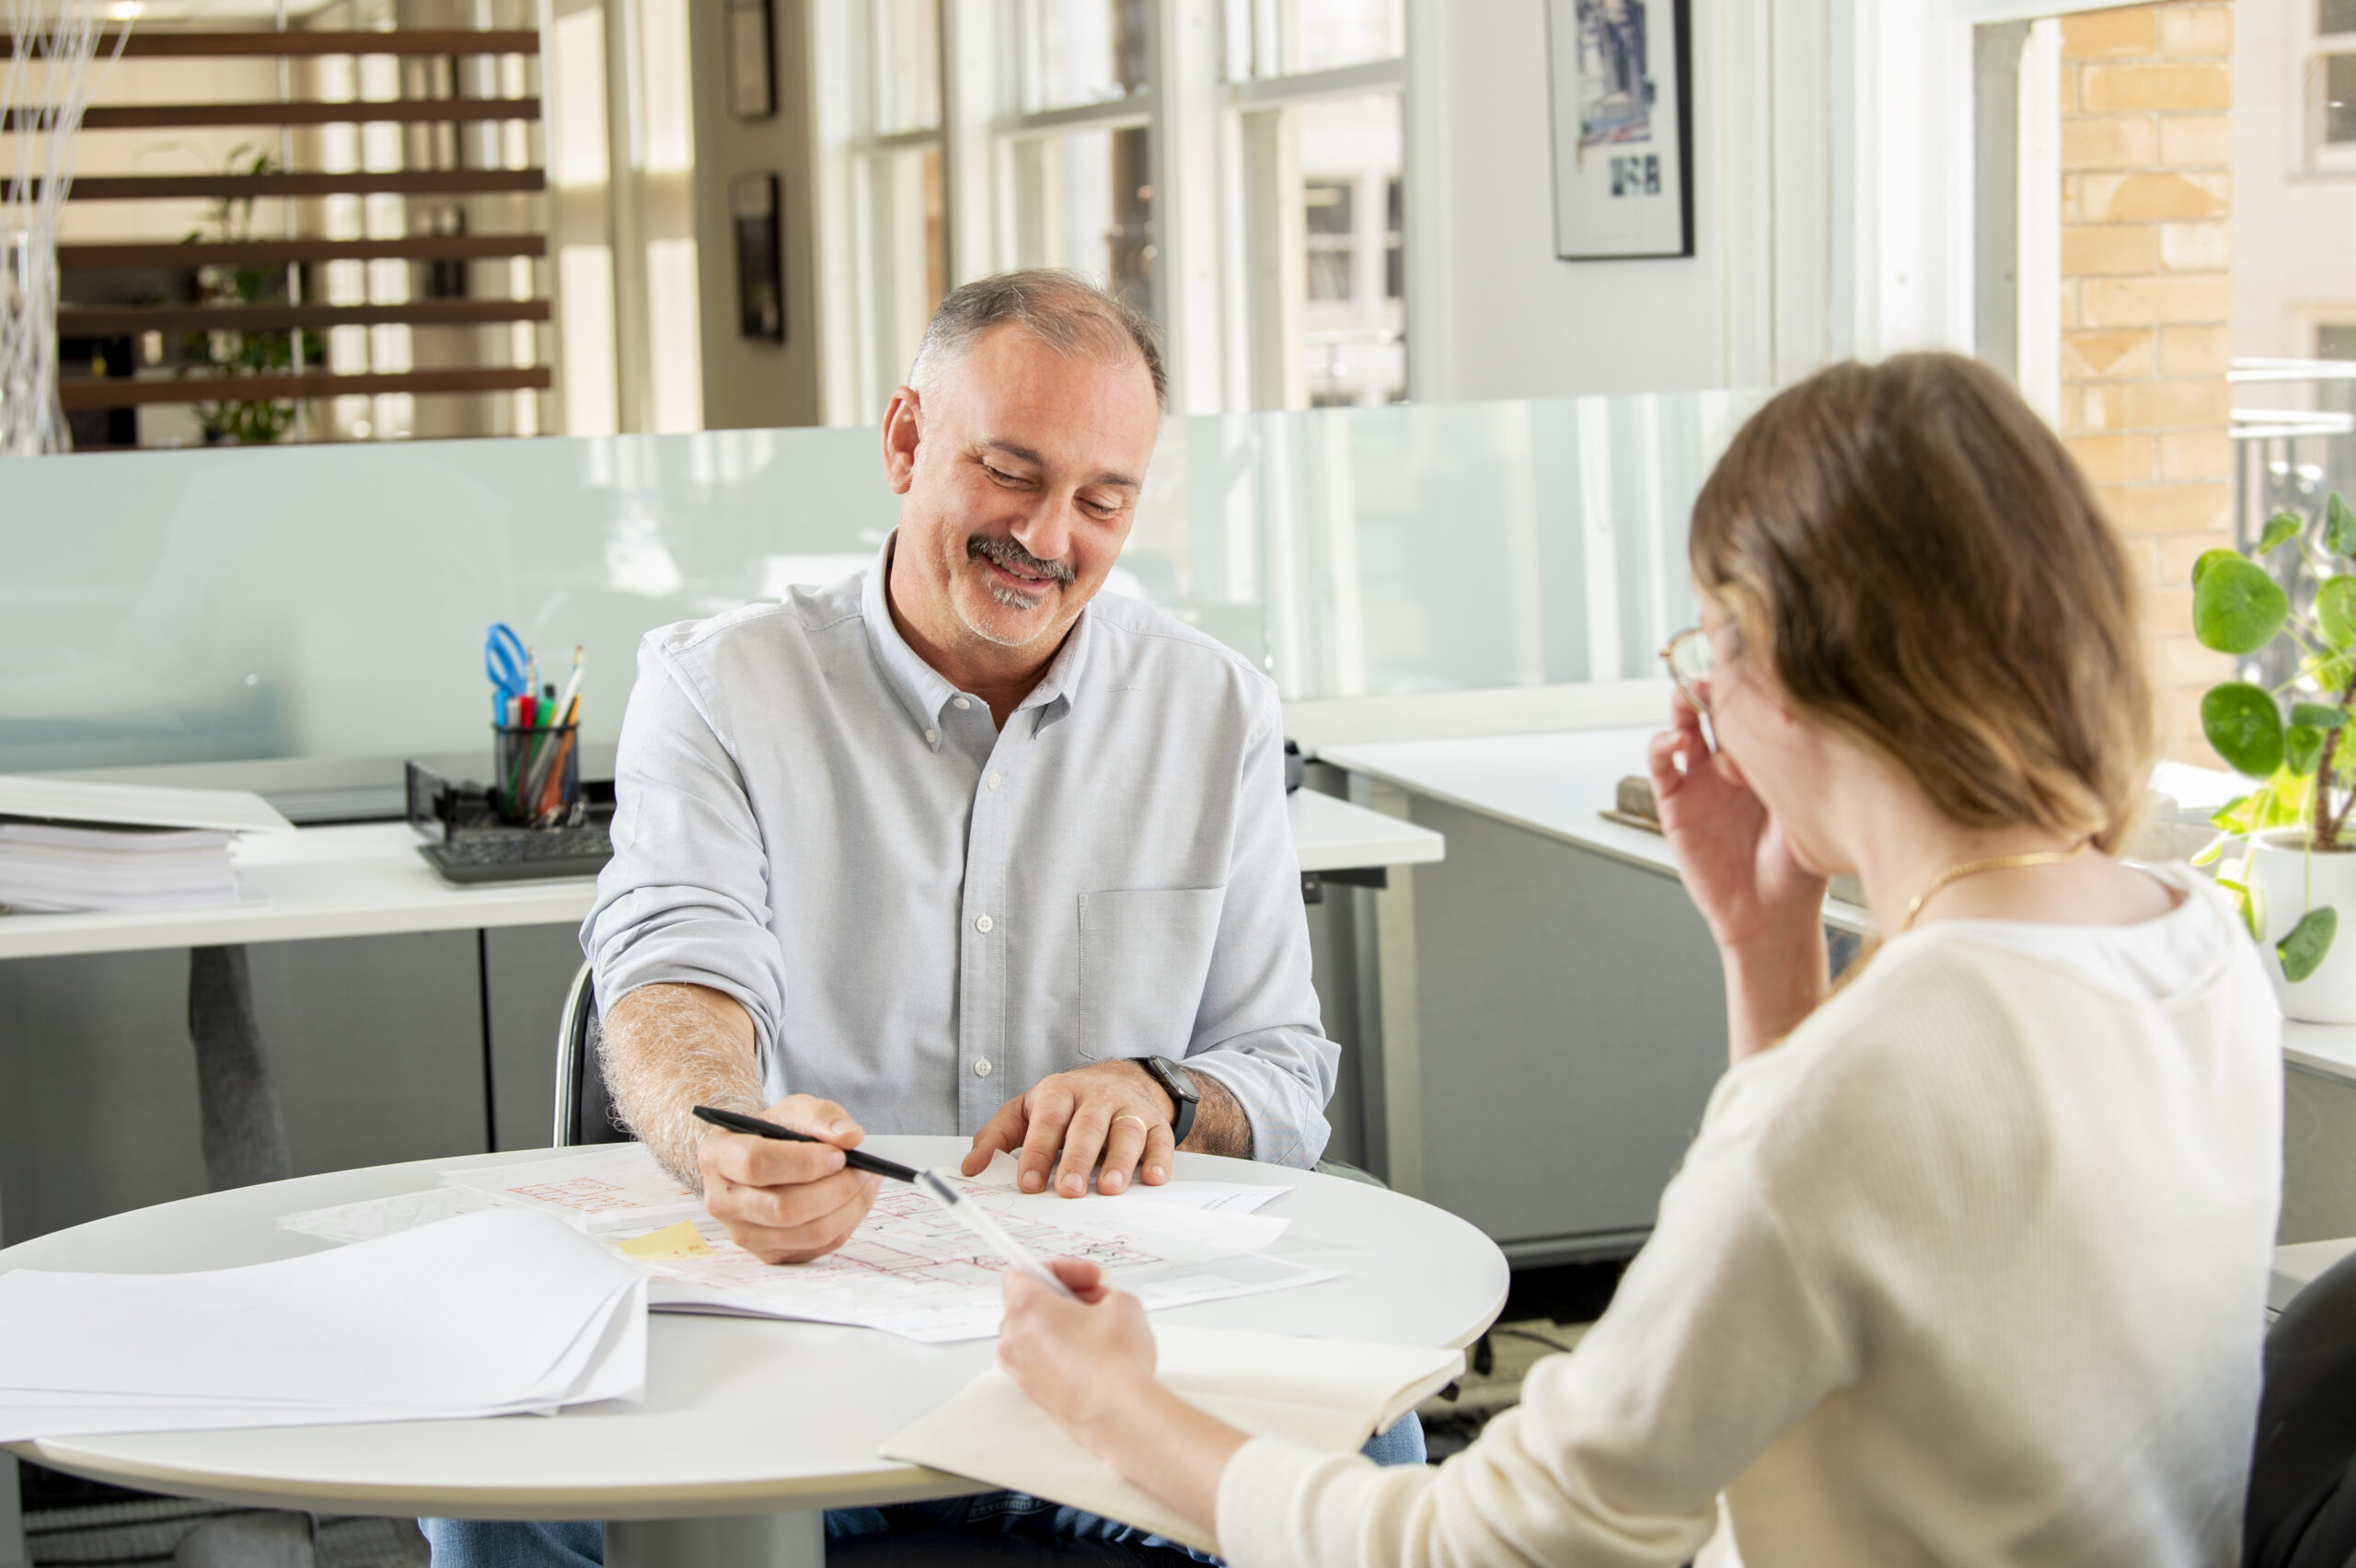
982, 924
931, 736
960, 703
995, 779
981, 1068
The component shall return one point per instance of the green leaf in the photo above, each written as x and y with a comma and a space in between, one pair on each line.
2339, 525
2236, 607
2215, 850
2240, 892
2307, 944
2302, 748
2335, 610
2280, 527
2318, 715
2199, 568
2242, 723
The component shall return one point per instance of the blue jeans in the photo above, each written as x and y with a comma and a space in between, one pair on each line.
581, 1543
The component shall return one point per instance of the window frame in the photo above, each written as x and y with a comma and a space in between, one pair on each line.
1230, 324
2316, 48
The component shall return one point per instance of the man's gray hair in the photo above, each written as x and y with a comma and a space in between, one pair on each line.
1061, 309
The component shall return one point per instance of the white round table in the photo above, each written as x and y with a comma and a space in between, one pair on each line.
750, 1428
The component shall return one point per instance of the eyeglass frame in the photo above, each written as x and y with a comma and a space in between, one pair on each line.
1669, 659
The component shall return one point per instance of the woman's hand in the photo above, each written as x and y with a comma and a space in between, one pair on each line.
1089, 1364
1736, 866
1761, 905
1079, 1361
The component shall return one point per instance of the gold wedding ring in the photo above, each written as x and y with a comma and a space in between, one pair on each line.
1132, 1116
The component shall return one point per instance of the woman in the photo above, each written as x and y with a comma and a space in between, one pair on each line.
1968, 1262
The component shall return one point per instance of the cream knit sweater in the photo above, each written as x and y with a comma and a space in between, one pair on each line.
1971, 1269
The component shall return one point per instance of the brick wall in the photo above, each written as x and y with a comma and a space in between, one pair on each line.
2146, 290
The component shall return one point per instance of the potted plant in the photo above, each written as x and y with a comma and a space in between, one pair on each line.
2298, 866
227, 353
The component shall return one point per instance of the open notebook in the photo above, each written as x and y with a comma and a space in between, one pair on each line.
1325, 1394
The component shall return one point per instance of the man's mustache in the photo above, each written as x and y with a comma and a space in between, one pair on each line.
1014, 557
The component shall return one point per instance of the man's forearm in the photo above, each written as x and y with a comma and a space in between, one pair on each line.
667, 1049
1220, 1126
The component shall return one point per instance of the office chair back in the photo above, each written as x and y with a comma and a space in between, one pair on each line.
583, 1112
2302, 1505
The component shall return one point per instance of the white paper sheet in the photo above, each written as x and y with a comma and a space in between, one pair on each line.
911, 1269
616, 1187
483, 1314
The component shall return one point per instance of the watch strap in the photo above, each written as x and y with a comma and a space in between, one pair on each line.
1184, 1096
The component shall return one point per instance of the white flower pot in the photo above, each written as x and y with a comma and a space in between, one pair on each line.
2286, 882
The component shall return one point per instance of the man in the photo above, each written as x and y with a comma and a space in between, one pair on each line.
887, 847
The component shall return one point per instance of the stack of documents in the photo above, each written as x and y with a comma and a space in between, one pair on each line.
51, 866
496, 1313
1330, 1395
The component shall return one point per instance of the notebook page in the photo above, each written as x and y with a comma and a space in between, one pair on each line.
1331, 1395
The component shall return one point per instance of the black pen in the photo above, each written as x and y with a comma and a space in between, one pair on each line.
858, 1159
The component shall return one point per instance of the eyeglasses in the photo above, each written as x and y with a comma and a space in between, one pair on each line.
1688, 658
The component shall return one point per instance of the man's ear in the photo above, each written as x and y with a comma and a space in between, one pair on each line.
902, 433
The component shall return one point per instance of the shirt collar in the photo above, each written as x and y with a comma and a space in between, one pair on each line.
923, 689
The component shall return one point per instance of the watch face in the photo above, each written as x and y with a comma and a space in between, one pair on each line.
1174, 1079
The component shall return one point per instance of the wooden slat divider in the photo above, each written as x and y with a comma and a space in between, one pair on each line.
412, 42
106, 392
176, 116
405, 183
275, 252
116, 321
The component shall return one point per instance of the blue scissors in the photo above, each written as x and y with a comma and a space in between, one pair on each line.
507, 663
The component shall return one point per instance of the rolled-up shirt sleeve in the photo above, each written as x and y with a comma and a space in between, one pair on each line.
684, 900
1258, 1030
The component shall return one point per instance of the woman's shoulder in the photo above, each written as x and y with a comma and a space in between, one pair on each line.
1942, 1029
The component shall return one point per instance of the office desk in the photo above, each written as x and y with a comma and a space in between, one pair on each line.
764, 1423
1554, 785
368, 880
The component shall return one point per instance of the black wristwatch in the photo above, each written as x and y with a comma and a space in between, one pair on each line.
1180, 1085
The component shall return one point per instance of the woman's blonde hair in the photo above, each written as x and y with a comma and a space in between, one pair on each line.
1929, 573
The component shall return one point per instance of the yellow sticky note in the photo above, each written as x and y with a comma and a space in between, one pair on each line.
680, 1241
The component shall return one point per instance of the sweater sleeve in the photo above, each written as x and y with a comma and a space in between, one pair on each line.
1718, 1340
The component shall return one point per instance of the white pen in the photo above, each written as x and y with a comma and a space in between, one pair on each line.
946, 1195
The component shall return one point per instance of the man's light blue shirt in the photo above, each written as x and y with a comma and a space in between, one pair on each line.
924, 914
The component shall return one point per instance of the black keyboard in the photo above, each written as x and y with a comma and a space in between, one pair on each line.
521, 854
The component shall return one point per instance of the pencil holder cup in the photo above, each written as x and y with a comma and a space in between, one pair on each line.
539, 773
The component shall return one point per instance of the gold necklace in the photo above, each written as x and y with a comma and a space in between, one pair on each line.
1973, 868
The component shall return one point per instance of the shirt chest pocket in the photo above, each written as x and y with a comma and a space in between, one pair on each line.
1143, 959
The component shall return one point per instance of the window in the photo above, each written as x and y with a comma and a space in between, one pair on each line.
2331, 87
1232, 167
1318, 83
1326, 205
885, 206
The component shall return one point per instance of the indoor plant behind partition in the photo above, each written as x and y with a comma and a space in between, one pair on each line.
2298, 872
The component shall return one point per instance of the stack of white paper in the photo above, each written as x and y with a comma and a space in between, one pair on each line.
487, 1314
51, 866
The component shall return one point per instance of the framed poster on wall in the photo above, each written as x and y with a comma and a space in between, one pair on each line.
1618, 81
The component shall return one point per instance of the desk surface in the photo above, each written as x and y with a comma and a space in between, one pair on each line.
742, 1416
368, 880
1556, 784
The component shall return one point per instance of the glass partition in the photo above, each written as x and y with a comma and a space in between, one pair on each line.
331, 601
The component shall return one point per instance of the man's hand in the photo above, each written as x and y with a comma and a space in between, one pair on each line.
1113, 1110
787, 1203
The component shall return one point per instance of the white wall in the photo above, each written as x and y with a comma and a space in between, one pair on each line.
1492, 313
2293, 231
1832, 211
